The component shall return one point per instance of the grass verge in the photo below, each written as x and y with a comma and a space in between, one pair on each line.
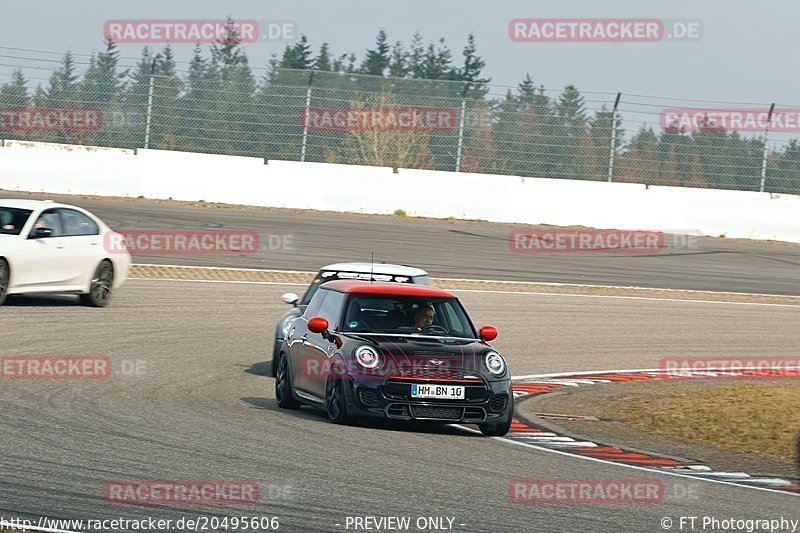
755, 418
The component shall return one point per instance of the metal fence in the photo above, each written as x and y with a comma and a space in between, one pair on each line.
429, 124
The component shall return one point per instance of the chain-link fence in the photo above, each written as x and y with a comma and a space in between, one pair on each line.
454, 126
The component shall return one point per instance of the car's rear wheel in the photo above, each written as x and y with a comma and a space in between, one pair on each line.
283, 385
100, 288
500, 429
335, 399
5, 278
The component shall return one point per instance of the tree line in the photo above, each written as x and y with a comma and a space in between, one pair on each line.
218, 103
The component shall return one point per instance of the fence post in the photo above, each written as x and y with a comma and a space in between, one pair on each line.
305, 119
149, 106
764, 159
461, 134
613, 150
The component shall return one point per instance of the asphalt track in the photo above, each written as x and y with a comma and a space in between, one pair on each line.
202, 409
456, 249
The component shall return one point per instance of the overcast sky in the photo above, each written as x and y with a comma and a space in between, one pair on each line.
748, 52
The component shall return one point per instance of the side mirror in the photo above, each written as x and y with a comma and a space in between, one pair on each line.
290, 298
42, 233
317, 324
488, 333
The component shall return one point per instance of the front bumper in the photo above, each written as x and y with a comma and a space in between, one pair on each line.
485, 401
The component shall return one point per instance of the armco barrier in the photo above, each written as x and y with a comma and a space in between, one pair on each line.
69, 169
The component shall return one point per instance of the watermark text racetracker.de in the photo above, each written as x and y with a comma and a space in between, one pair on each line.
780, 119
752, 366
50, 119
611, 491
598, 241
176, 492
596, 30
69, 367
194, 242
385, 119
203, 31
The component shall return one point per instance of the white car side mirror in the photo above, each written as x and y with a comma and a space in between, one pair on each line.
290, 298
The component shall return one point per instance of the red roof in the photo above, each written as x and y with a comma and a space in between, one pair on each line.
394, 289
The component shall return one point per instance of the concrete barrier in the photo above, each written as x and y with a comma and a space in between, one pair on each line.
160, 174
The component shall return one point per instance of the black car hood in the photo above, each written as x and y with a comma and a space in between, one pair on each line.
410, 351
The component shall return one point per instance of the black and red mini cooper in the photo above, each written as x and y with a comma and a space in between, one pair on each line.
393, 351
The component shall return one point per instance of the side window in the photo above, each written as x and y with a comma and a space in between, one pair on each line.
48, 219
332, 308
76, 223
315, 304
455, 325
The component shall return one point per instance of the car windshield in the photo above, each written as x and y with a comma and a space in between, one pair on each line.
437, 317
331, 275
12, 220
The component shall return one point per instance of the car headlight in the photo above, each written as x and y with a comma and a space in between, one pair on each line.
367, 356
495, 363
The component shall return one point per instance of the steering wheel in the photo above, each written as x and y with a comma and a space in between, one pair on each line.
431, 328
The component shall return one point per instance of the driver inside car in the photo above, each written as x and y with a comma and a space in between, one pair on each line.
424, 316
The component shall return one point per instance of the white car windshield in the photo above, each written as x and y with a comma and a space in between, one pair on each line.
437, 317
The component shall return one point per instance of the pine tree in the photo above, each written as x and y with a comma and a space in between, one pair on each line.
785, 175
166, 91
15, 93
569, 134
416, 57
323, 59
437, 62
526, 90
570, 107
398, 67
227, 52
377, 61
638, 162
470, 72
63, 88
298, 56
102, 84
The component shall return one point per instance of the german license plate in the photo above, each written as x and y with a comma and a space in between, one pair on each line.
439, 392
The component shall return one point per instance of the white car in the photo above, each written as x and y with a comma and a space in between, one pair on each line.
46, 247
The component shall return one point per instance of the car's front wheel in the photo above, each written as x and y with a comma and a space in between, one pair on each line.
500, 429
5, 279
99, 293
283, 385
335, 399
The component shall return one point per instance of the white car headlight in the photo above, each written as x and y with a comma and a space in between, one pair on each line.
367, 356
495, 363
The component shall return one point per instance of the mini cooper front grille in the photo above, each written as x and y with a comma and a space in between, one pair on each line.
439, 413
437, 374
499, 402
368, 397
